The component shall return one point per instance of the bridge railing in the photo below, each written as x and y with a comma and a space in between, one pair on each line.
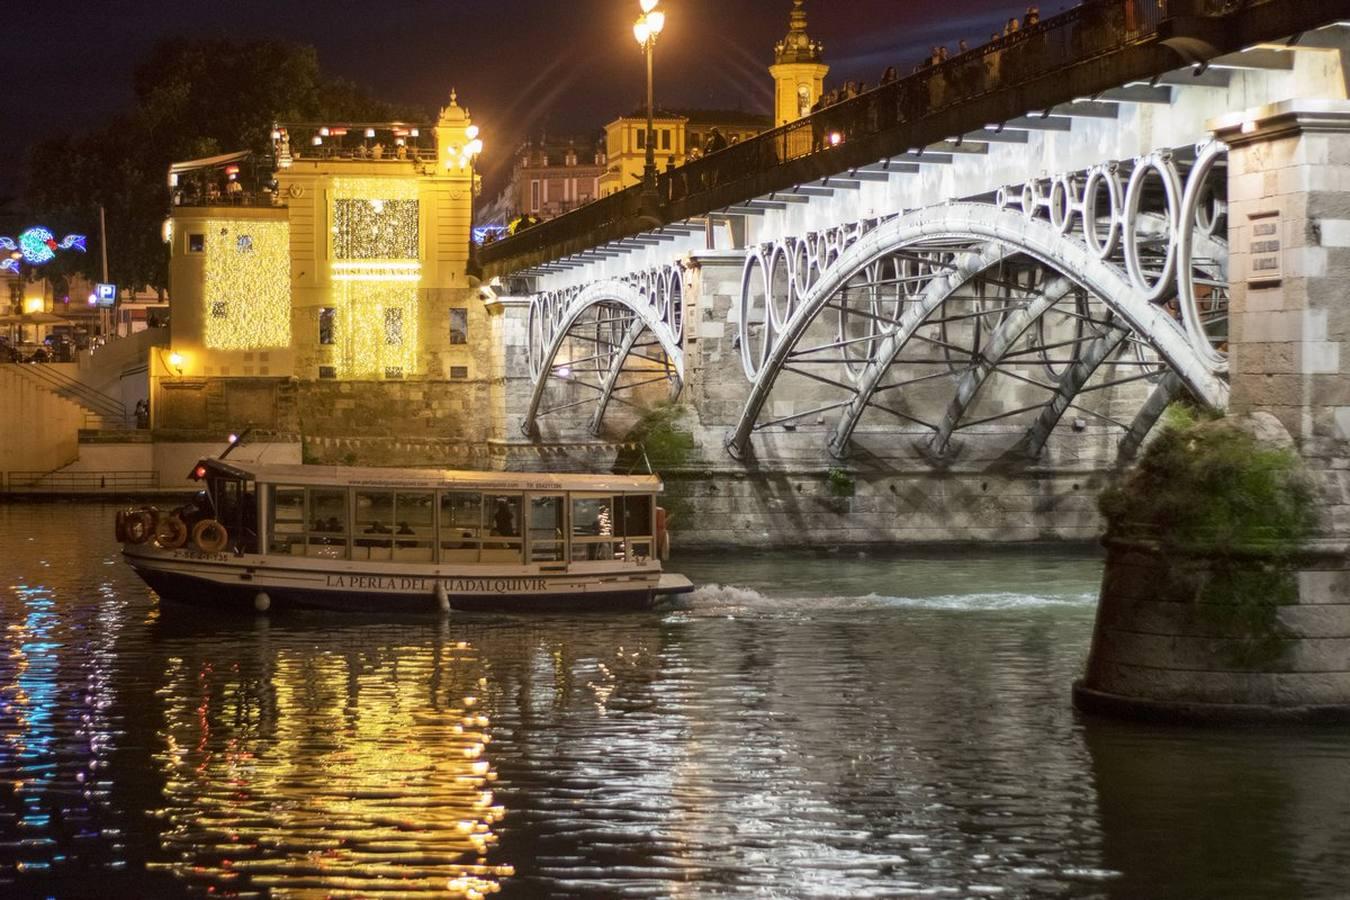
1095, 28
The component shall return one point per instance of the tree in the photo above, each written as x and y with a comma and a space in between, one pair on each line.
194, 98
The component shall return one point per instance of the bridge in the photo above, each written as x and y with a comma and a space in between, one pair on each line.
975, 290
1032, 233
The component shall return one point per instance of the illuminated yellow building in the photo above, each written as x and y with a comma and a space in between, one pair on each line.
351, 265
798, 71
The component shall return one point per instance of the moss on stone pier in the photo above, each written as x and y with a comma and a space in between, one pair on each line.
1228, 506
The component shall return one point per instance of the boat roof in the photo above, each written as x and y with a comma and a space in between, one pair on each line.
355, 476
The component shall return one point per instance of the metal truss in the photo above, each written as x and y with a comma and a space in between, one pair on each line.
1065, 287
603, 340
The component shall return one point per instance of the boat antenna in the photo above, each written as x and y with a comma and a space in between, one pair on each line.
235, 441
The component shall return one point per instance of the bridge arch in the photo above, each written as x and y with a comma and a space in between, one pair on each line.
615, 320
970, 239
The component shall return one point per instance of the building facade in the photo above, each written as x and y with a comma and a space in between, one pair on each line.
798, 71
549, 176
352, 266
679, 136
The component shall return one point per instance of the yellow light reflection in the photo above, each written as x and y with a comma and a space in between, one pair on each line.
327, 774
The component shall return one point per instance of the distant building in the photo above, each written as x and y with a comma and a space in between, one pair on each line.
680, 135
798, 71
549, 176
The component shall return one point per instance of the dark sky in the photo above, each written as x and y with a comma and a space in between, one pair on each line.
521, 66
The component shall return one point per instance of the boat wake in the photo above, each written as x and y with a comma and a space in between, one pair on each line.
729, 599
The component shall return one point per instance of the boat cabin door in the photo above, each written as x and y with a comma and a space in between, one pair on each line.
547, 518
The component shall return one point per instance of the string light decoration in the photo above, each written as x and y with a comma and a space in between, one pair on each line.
247, 296
362, 333
376, 219
376, 271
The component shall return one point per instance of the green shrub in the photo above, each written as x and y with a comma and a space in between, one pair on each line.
657, 435
840, 482
1229, 515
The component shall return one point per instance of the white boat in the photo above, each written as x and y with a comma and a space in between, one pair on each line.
275, 536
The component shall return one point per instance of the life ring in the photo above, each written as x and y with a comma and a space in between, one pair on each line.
172, 532
210, 536
139, 526
120, 526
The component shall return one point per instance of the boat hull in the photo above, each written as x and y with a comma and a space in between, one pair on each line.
222, 581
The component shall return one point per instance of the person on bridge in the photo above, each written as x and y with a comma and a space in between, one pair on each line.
715, 143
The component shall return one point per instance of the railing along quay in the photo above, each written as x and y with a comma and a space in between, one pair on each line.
1092, 48
79, 482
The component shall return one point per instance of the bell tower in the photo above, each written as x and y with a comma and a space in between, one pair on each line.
798, 70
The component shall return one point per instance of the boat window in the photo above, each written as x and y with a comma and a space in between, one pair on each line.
593, 528
414, 526
287, 526
373, 534
328, 523
636, 525
501, 522
461, 526
546, 529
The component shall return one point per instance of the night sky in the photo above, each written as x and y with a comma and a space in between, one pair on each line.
521, 66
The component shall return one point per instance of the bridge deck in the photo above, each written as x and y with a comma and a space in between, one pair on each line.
1100, 50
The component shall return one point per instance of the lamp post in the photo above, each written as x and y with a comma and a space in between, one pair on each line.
648, 26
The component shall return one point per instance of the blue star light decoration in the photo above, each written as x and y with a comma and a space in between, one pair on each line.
37, 246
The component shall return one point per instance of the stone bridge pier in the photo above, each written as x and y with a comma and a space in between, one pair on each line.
1155, 653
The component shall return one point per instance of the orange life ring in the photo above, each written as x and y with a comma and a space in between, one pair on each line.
120, 526
140, 526
210, 536
172, 532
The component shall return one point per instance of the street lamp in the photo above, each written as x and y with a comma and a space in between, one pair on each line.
648, 26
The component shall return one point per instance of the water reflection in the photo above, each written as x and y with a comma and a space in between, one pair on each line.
811, 727
326, 761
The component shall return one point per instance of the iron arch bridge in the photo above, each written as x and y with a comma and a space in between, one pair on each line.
1060, 288
603, 340
1051, 291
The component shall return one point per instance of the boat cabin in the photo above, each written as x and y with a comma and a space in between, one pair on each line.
432, 516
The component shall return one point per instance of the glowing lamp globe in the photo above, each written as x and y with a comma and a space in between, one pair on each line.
648, 5
642, 31
656, 22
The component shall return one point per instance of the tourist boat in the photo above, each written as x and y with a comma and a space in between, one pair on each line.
272, 536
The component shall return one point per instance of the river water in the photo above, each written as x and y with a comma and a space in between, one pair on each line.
802, 726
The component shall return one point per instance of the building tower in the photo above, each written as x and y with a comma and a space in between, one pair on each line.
798, 70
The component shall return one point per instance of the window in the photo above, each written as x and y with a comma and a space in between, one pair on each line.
593, 528
414, 524
244, 243
327, 523
534, 196
501, 521
196, 243
695, 139
459, 325
642, 139
393, 372
219, 309
665, 138
461, 526
393, 327
328, 326
328, 371
287, 525
373, 532
546, 529
459, 371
